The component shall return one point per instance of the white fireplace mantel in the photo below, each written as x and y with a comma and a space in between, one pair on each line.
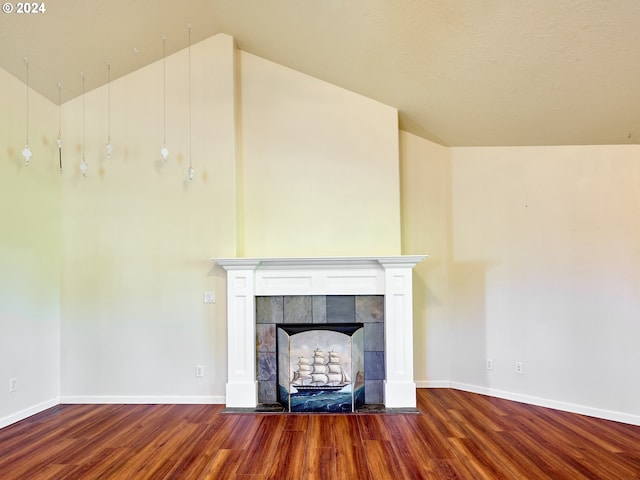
250, 277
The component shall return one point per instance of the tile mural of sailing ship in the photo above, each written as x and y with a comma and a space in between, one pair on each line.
321, 368
320, 374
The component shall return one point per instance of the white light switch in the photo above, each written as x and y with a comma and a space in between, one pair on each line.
209, 297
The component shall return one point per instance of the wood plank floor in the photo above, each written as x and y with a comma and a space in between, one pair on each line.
458, 435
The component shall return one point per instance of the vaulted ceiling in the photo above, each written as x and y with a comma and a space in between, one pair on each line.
460, 72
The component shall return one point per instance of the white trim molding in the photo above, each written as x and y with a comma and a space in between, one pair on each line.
390, 276
433, 384
554, 404
27, 412
143, 399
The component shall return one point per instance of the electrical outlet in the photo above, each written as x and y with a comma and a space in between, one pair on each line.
519, 368
13, 384
489, 364
199, 370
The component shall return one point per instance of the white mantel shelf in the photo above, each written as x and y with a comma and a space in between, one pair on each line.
390, 276
320, 262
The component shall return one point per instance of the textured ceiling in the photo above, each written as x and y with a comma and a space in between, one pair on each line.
461, 72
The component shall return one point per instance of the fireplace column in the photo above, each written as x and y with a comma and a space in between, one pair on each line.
242, 386
399, 386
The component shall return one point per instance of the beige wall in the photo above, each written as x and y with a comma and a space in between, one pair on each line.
534, 258
29, 252
425, 173
545, 270
138, 233
320, 167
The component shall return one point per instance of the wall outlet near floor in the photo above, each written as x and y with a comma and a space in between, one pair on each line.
489, 364
13, 384
199, 370
519, 368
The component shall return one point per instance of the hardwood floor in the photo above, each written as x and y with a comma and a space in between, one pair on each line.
458, 435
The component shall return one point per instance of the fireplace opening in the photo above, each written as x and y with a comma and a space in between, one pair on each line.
321, 367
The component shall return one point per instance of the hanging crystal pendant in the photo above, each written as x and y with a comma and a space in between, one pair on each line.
26, 153
83, 168
191, 172
164, 152
108, 150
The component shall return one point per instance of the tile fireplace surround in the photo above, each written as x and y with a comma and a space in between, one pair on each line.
390, 276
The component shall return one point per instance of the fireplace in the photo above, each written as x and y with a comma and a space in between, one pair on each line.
389, 277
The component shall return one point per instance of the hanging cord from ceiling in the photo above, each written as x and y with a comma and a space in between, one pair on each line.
26, 153
83, 166
191, 171
59, 141
164, 151
108, 147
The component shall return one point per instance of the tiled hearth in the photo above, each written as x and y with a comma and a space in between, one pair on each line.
320, 310
323, 286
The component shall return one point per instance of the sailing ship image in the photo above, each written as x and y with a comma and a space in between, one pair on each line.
320, 374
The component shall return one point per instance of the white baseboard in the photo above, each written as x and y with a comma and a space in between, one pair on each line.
544, 402
220, 399
27, 412
433, 384
104, 399
144, 399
